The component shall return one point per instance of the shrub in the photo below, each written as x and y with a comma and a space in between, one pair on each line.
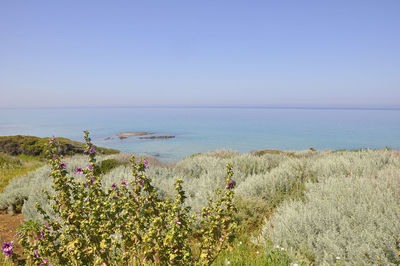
35, 146
27, 189
286, 179
351, 218
127, 222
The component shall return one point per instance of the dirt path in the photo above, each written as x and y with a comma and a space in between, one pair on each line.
8, 228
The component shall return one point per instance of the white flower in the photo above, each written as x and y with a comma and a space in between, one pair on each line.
257, 252
282, 249
294, 264
277, 246
338, 258
240, 242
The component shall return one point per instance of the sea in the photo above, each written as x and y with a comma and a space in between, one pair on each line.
202, 129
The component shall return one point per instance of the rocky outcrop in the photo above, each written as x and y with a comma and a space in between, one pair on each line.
158, 137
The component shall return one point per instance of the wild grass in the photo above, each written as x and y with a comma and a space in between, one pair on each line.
16, 166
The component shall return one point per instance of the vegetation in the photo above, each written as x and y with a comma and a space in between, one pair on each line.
349, 214
332, 207
35, 146
127, 223
15, 166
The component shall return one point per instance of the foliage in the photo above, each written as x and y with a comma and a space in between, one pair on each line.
350, 213
5, 260
27, 189
15, 166
244, 252
273, 186
35, 146
106, 166
346, 216
127, 222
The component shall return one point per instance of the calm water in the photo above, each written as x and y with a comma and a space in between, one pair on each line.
205, 129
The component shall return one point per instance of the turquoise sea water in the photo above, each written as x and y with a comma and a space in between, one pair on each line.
205, 129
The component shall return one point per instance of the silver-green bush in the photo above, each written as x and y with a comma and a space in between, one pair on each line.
25, 191
346, 203
349, 213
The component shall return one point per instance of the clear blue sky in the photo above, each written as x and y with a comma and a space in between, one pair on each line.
129, 53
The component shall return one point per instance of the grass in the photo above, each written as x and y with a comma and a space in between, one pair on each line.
16, 166
245, 252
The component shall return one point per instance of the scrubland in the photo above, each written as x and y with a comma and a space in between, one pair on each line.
330, 207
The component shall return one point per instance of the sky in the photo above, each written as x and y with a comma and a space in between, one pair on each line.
199, 53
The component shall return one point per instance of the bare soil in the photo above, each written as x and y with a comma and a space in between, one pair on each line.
8, 228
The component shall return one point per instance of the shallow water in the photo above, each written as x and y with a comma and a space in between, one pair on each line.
205, 129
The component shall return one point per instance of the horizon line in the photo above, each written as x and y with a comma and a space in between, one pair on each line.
236, 106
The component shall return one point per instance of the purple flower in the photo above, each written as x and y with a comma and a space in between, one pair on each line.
124, 182
62, 165
36, 254
54, 139
146, 163
78, 170
44, 262
177, 222
7, 248
113, 186
47, 225
231, 185
90, 167
41, 234
91, 150
207, 213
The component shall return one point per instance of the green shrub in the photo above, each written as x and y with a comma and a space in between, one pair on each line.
106, 166
35, 146
125, 223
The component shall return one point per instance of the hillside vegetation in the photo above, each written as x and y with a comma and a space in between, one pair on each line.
299, 207
35, 146
20, 155
14, 166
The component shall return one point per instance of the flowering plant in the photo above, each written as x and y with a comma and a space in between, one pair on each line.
125, 223
7, 248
